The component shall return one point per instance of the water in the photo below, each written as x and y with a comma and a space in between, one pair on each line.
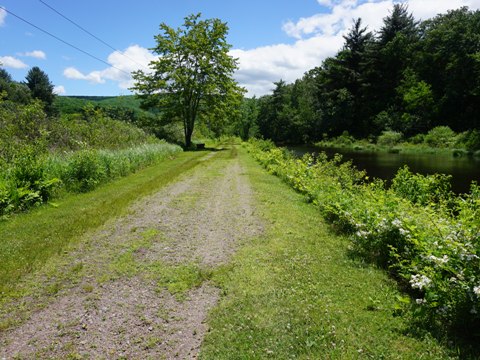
383, 165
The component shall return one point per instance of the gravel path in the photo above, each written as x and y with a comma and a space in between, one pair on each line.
119, 306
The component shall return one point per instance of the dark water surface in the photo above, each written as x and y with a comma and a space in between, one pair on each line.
383, 165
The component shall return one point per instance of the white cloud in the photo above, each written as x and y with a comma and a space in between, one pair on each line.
123, 63
74, 74
37, 54
11, 62
3, 15
260, 67
59, 90
320, 36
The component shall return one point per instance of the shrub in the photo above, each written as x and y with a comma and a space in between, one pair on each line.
441, 137
417, 139
422, 190
83, 172
389, 138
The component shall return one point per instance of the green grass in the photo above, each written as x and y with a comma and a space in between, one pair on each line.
29, 240
295, 293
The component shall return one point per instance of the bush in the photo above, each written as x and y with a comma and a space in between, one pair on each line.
389, 138
441, 137
417, 139
83, 172
423, 190
472, 140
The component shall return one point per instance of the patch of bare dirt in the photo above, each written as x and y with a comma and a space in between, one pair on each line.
199, 219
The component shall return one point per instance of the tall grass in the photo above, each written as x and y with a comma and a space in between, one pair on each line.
31, 180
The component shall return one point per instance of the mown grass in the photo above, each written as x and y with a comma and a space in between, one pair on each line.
295, 293
28, 240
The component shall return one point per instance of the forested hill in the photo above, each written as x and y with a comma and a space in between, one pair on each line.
409, 77
75, 104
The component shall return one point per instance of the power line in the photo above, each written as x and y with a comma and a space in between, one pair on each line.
61, 40
89, 33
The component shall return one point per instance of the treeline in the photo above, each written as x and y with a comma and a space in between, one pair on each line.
409, 77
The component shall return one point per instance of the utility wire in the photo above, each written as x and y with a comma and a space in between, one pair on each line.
89, 33
63, 41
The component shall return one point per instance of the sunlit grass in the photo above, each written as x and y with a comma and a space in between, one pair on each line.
295, 293
28, 240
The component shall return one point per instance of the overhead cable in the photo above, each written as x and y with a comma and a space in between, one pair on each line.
63, 41
89, 33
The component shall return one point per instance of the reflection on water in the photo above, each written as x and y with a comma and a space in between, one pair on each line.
383, 165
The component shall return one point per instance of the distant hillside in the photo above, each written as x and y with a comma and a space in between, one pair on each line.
75, 104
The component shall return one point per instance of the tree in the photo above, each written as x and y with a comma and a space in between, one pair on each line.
40, 87
192, 77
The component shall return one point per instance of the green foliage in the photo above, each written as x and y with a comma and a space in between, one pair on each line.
192, 77
420, 231
440, 137
433, 190
470, 140
84, 170
40, 87
389, 138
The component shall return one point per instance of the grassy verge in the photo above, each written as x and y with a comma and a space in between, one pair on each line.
295, 293
29, 240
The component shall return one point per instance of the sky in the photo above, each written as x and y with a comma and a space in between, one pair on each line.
272, 39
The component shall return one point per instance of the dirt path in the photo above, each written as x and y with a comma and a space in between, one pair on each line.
140, 287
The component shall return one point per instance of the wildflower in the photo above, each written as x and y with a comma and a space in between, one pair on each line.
420, 301
437, 260
476, 290
397, 223
420, 281
362, 234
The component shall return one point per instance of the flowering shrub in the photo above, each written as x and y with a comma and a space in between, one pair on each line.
428, 238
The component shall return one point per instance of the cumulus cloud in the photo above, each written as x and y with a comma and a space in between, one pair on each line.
59, 90
11, 62
123, 63
321, 35
260, 67
3, 15
75, 74
37, 54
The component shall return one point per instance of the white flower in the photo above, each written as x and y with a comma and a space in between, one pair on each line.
437, 260
396, 223
420, 301
361, 233
420, 281
476, 290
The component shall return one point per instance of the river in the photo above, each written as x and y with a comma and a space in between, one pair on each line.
384, 165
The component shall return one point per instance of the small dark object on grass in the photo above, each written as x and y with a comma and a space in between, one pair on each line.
200, 146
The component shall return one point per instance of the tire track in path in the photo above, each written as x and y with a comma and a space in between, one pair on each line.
119, 306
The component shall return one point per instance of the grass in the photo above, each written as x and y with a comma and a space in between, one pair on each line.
30, 239
295, 293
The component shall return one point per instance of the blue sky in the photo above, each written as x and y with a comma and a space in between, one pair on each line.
273, 39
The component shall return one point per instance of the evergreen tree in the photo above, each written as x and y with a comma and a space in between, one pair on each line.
40, 87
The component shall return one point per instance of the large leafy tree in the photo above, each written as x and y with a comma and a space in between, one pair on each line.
40, 87
192, 77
